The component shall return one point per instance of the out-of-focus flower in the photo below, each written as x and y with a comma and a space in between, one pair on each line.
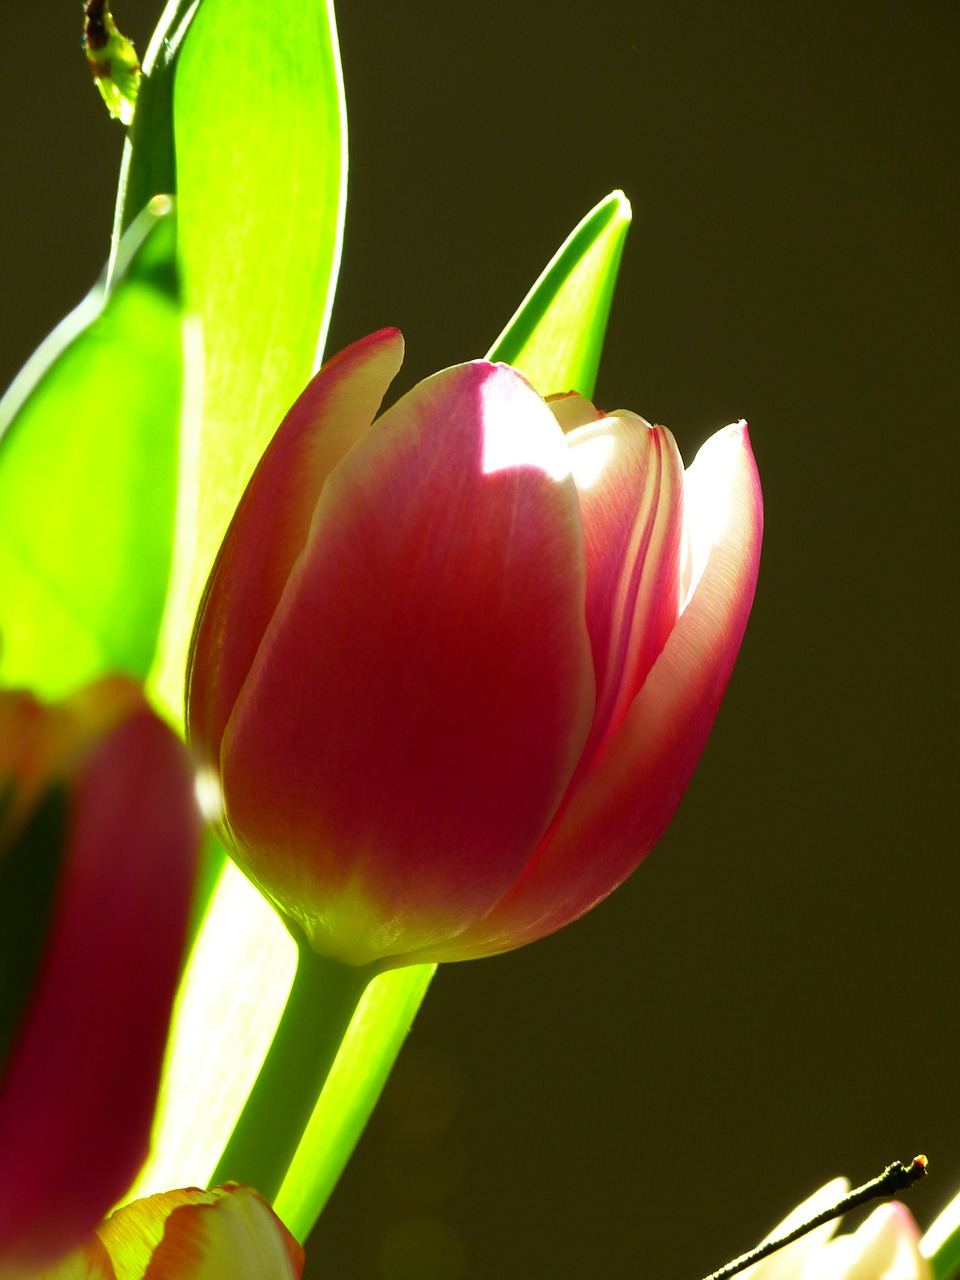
884, 1247
226, 1233
454, 668
99, 833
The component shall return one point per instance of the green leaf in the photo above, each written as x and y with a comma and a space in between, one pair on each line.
557, 334
259, 122
88, 454
941, 1243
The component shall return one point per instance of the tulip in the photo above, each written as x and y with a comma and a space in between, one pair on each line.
99, 833
886, 1246
226, 1233
454, 667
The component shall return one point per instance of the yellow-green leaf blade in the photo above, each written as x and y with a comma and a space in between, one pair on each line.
88, 460
556, 335
259, 122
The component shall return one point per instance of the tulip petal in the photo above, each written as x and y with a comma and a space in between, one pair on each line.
226, 1233
431, 654
90, 1262
572, 410
630, 478
886, 1246
271, 524
77, 1097
622, 804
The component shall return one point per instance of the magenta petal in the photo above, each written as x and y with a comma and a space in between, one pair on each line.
77, 1098
271, 525
432, 661
621, 806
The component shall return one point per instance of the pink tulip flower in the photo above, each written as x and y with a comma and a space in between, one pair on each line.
226, 1233
99, 834
454, 667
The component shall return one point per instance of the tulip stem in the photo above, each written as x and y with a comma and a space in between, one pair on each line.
321, 1005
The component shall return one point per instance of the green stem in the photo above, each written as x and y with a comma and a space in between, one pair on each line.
322, 1002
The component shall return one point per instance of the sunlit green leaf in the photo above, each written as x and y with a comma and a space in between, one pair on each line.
260, 135
88, 454
941, 1243
557, 334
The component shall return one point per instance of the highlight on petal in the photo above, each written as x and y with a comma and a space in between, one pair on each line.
271, 525
886, 1246
226, 1233
572, 410
620, 806
432, 660
78, 1092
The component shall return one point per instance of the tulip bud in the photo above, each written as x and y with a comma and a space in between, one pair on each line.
226, 1233
99, 834
454, 667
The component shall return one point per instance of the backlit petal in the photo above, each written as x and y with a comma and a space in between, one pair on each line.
630, 478
77, 1098
431, 659
271, 525
884, 1247
621, 806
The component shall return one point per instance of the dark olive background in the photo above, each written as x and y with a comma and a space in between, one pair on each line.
772, 998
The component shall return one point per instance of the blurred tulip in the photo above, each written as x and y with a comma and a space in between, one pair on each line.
99, 833
226, 1233
453, 670
886, 1246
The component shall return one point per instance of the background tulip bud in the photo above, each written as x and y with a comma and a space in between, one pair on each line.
226, 1233
454, 667
99, 834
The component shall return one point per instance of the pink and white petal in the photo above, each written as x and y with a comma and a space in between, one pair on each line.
79, 1091
226, 1233
630, 479
619, 809
432, 662
271, 525
572, 410
884, 1247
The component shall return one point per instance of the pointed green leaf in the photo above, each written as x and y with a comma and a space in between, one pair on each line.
259, 124
88, 453
557, 334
